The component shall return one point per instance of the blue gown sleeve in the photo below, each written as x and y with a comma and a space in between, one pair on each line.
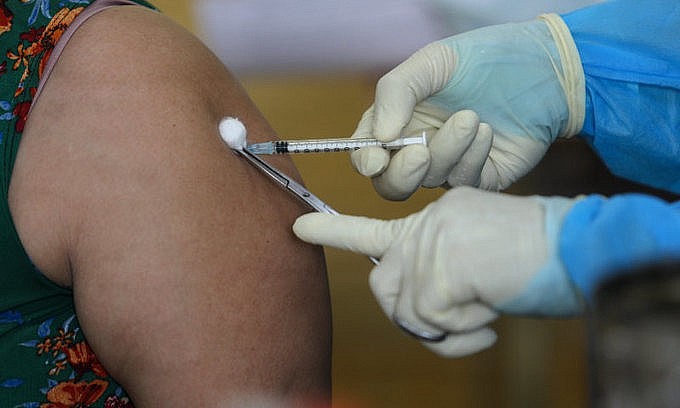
603, 237
630, 51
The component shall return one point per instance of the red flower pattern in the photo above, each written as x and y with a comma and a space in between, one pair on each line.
82, 359
75, 395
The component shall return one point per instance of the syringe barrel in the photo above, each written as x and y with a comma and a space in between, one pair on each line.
320, 145
342, 145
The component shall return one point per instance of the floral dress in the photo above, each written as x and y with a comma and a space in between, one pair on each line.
45, 361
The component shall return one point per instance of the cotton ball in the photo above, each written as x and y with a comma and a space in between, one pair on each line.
233, 132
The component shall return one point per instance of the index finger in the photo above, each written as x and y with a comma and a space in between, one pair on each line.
362, 235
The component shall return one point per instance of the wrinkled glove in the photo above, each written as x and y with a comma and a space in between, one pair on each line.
455, 265
524, 80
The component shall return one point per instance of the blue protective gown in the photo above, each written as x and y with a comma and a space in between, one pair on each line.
630, 50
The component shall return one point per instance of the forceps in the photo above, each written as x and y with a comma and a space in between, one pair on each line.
316, 203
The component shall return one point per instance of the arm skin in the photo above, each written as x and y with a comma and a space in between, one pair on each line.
172, 244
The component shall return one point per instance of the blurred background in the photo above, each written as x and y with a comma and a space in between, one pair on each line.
311, 67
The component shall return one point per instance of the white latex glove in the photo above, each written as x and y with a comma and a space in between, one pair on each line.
455, 265
524, 80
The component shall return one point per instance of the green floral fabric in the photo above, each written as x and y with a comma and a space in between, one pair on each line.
45, 361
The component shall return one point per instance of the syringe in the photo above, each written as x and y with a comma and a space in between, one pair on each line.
330, 145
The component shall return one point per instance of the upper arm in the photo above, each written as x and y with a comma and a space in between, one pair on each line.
187, 280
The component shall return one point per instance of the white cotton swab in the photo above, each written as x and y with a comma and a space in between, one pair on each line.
233, 132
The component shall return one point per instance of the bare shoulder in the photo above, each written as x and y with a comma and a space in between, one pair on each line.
147, 209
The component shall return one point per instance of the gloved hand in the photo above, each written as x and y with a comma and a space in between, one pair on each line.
455, 265
524, 80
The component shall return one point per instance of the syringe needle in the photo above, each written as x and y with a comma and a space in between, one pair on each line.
261, 148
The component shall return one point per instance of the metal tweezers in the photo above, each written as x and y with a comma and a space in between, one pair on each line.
316, 203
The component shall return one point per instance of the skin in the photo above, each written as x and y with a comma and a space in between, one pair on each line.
124, 192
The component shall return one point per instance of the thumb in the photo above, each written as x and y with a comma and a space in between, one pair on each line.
357, 234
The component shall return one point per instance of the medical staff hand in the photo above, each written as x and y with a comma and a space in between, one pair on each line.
455, 265
524, 82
